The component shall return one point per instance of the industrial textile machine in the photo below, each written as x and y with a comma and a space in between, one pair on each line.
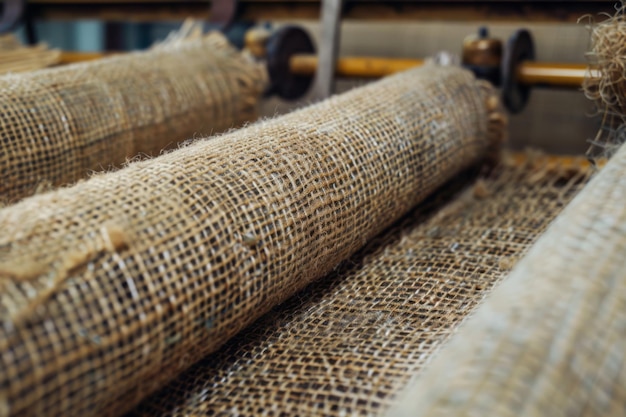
168, 249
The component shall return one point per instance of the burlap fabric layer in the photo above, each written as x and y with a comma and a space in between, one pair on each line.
347, 345
550, 340
111, 288
59, 124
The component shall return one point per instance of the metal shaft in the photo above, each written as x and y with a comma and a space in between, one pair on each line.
330, 19
366, 67
529, 73
552, 74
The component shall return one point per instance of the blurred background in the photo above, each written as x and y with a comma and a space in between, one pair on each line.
560, 121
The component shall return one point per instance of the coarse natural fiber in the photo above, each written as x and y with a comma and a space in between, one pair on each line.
605, 85
15, 57
9, 41
57, 125
111, 288
549, 341
348, 344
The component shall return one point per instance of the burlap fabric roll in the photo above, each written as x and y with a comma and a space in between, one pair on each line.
111, 288
60, 124
348, 344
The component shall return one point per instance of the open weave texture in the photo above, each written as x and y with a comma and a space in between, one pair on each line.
348, 344
111, 288
59, 124
550, 341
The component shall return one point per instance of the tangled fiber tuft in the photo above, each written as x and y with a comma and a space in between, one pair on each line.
606, 83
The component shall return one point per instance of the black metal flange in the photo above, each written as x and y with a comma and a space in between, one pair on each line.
281, 46
520, 47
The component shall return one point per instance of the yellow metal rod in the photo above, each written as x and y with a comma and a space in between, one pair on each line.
366, 67
529, 73
69, 57
553, 161
552, 74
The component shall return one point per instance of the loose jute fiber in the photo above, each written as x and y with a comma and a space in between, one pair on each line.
608, 58
606, 84
348, 344
111, 288
57, 125
15, 57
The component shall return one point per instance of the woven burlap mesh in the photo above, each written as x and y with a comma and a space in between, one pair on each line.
112, 287
59, 124
550, 340
348, 344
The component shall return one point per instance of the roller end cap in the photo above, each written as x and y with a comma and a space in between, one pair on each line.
520, 47
282, 45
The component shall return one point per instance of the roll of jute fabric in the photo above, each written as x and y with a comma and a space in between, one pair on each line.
60, 124
550, 340
111, 288
348, 343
